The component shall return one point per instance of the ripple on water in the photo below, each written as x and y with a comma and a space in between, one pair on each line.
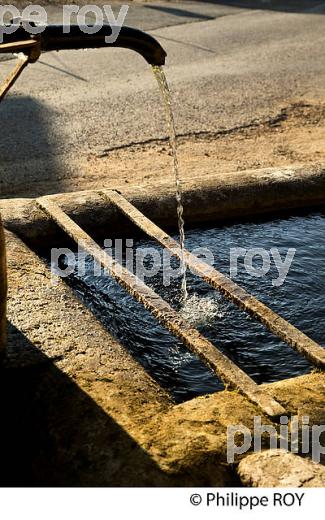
300, 300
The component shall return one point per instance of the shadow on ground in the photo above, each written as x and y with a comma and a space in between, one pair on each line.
289, 6
27, 132
179, 12
54, 434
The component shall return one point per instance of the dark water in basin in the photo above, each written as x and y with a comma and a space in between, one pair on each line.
301, 300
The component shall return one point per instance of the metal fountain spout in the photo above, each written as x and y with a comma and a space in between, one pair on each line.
17, 39
60, 37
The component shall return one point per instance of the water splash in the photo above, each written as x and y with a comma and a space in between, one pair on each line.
201, 311
164, 88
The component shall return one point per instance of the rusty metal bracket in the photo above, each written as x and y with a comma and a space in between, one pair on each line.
31, 52
13, 76
279, 326
220, 364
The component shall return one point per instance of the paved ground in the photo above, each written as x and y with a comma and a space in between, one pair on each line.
228, 67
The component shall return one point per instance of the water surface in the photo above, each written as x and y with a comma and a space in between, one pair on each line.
300, 300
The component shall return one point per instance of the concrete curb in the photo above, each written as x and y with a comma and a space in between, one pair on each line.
246, 193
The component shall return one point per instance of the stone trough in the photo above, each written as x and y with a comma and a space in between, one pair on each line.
79, 409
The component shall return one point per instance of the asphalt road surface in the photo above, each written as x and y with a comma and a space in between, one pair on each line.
227, 66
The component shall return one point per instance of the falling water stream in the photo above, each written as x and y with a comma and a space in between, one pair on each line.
164, 88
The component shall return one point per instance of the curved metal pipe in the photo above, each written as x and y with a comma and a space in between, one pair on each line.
59, 37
